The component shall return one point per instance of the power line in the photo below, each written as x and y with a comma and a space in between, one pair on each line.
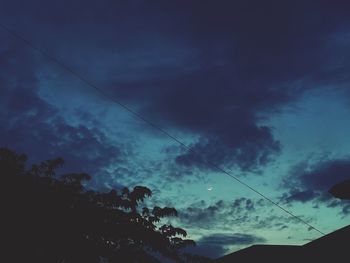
165, 132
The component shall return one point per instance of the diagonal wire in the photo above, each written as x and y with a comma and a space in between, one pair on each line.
165, 132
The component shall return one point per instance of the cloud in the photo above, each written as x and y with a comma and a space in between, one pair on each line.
247, 154
318, 176
31, 125
230, 239
218, 244
208, 215
225, 215
311, 182
215, 72
326, 174
299, 195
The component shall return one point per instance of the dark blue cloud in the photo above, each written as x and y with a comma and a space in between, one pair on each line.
214, 70
225, 214
320, 176
217, 245
208, 214
312, 182
299, 195
31, 125
227, 239
326, 174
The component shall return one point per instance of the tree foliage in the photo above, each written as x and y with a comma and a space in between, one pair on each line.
55, 219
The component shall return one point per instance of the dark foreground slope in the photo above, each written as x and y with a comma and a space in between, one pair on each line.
332, 247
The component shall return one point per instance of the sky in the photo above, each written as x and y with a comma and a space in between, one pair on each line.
261, 89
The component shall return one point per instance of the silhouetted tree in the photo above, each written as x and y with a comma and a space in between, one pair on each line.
54, 218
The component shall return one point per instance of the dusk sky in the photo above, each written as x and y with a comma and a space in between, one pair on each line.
259, 88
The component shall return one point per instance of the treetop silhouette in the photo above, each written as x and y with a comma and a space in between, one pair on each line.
56, 219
